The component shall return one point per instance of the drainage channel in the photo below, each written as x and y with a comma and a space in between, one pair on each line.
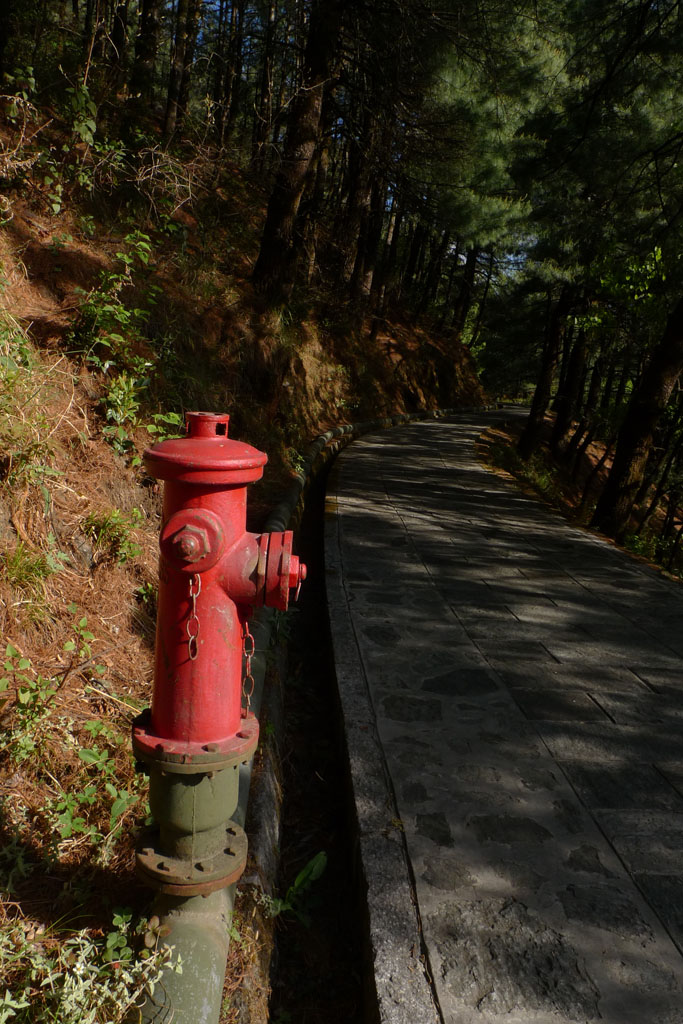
317, 973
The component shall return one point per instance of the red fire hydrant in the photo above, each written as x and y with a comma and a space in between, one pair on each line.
212, 573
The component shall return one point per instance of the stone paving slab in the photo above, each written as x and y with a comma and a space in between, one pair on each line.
512, 693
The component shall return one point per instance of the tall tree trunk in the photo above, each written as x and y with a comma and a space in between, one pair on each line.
434, 271
585, 432
175, 77
316, 197
232, 99
482, 301
551, 350
373, 239
264, 112
193, 16
146, 47
463, 302
606, 400
661, 486
594, 474
273, 273
361, 181
89, 30
119, 40
416, 246
659, 452
647, 404
567, 400
455, 263
8, 27
390, 264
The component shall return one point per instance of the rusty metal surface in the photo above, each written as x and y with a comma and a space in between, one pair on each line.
190, 757
180, 877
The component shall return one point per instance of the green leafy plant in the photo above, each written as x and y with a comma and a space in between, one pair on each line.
165, 425
33, 704
111, 532
108, 330
66, 817
21, 85
147, 594
83, 112
294, 902
121, 403
52, 181
82, 639
85, 979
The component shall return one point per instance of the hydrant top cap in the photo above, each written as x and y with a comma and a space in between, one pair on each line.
207, 454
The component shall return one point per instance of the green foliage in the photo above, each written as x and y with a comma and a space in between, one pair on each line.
26, 570
295, 460
166, 425
111, 532
20, 85
121, 403
34, 697
84, 979
298, 893
25, 429
82, 110
147, 595
35, 733
108, 331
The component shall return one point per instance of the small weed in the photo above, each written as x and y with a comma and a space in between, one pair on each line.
165, 425
84, 979
15, 867
87, 225
644, 544
25, 429
295, 460
147, 595
83, 112
121, 403
52, 183
60, 241
64, 814
111, 533
108, 331
26, 570
33, 704
297, 894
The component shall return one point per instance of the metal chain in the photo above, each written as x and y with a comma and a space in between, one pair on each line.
249, 648
193, 625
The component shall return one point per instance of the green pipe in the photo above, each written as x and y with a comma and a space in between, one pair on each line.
199, 926
199, 935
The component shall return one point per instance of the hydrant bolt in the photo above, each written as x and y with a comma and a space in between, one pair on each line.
190, 544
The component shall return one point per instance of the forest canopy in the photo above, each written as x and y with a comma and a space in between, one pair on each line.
510, 171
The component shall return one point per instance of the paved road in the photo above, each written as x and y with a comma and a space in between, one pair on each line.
512, 690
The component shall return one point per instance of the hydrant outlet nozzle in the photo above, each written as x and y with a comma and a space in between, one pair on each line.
297, 574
